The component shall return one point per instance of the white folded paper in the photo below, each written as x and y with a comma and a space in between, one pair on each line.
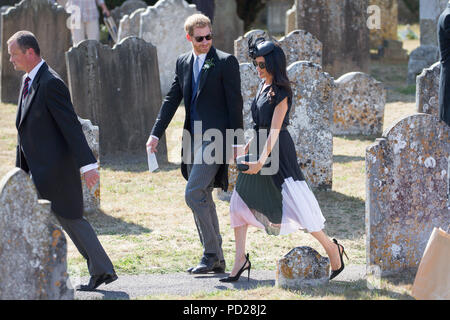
152, 162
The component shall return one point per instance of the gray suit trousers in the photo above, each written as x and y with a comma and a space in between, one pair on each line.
198, 196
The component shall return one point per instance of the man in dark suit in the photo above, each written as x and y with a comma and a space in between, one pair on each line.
53, 149
209, 81
444, 47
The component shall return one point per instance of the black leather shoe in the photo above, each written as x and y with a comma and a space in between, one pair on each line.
221, 268
96, 281
207, 264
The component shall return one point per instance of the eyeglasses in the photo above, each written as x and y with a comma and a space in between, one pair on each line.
200, 38
261, 65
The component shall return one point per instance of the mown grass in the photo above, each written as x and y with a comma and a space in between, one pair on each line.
146, 227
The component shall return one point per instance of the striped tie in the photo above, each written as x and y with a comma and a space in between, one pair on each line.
25, 87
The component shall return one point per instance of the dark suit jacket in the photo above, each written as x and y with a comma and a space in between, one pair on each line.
444, 47
218, 103
51, 143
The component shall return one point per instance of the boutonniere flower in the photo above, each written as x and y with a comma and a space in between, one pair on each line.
208, 64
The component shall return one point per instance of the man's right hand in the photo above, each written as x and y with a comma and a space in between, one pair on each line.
152, 143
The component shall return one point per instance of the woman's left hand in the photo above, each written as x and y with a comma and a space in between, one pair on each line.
253, 167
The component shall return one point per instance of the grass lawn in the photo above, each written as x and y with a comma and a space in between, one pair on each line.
146, 227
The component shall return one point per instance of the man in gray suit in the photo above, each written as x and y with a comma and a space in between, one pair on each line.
209, 82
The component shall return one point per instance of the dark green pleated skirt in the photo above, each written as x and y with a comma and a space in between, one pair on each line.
260, 193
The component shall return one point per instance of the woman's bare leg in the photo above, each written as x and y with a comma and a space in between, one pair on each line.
240, 235
330, 247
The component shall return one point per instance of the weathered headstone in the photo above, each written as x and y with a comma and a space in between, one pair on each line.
126, 8
130, 24
388, 22
419, 59
48, 23
290, 20
406, 192
163, 26
300, 267
430, 10
298, 45
428, 52
33, 248
341, 26
276, 15
311, 122
91, 198
118, 90
227, 26
358, 107
427, 90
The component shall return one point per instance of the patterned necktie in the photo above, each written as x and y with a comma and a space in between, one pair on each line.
25, 87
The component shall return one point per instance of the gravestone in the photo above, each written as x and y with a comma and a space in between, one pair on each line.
300, 267
33, 249
298, 45
91, 198
419, 59
428, 52
276, 15
47, 21
311, 122
118, 90
163, 26
227, 26
341, 26
130, 24
406, 192
388, 22
126, 8
427, 90
358, 107
290, 20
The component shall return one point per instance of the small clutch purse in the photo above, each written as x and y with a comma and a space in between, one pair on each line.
247, 158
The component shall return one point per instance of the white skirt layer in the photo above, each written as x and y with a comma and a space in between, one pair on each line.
300, 209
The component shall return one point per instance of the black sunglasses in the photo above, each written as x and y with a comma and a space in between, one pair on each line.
200, 38
261, 65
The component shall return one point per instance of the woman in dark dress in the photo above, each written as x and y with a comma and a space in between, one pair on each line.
278, 201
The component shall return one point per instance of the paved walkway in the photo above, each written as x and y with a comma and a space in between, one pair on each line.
134, 286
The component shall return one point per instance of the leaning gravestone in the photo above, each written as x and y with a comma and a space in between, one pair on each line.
419, 59
129, 25
359, 102
311, 122
300, 267
48, 23
290, 20
298, 45
91, 197
126, 8
33, 248
406, 192
118, 90
427, 92
341, 26
163, 26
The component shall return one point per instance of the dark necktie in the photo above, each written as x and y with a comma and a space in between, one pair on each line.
25, 88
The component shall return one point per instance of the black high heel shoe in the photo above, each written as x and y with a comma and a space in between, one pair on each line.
334, 273
236, 277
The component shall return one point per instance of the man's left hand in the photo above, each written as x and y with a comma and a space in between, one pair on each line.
91, 177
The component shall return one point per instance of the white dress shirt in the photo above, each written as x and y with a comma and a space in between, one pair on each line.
32, 75
201, 58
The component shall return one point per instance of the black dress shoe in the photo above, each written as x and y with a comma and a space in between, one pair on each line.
96, 281
221, 268
207, 264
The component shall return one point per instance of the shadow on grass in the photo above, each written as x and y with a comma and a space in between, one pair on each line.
133, 163
344, 159
345, 215
108, 225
